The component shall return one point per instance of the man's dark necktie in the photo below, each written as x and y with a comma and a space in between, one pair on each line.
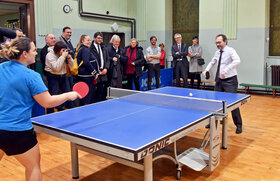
98, 49
99, 55
179, 47
70, 46
218, 69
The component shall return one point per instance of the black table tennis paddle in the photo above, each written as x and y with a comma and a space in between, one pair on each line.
207, 75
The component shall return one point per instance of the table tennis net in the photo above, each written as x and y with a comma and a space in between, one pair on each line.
170, 100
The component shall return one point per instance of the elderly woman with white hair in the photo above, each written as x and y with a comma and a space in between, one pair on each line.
117, 62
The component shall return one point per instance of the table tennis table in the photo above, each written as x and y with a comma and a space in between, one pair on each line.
134, 125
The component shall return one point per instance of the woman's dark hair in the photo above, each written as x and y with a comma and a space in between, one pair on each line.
15, 48
161, 44
58, 46
195, 37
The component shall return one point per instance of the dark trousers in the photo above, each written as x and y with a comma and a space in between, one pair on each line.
99, 94
195, 75
116, 81
133, 78
181, 71
230, 85
69, 104
89, 98
151, 69
57, 85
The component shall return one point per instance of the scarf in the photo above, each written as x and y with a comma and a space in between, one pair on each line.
131, 53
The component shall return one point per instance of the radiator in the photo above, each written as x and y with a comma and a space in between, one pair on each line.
275, 75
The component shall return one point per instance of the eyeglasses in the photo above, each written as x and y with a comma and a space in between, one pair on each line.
218, 42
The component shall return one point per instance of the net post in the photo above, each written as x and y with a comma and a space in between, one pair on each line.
225, 107
109, 93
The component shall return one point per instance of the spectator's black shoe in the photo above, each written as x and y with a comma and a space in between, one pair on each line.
207, 126
238, 130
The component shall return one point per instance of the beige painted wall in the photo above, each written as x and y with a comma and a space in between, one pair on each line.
252, 31
150, 16
251, 14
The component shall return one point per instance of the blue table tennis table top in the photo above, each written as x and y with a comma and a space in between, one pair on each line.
131, 125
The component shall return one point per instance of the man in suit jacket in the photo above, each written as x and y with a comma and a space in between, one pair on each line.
100, 52
180, 61
65, 37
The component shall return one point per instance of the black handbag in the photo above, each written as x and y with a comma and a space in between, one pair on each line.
200, 61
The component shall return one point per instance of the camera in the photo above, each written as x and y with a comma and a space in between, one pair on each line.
117, 56
71, 52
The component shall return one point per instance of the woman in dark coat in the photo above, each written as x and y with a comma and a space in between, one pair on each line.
133, 68
88, 71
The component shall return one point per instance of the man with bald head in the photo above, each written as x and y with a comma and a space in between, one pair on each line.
50, 41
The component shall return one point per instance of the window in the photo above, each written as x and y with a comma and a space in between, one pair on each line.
186, 19
274, 29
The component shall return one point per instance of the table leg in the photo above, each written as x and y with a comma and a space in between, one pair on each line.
74, 161
148, 168
224, 132
214, 147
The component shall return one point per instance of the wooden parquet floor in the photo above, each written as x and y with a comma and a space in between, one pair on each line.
251, 156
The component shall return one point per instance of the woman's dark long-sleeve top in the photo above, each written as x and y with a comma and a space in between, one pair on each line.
90, 65
139, 61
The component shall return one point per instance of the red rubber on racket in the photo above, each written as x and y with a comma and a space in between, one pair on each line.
81, 88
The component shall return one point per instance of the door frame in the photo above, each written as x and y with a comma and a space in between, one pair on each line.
30, 16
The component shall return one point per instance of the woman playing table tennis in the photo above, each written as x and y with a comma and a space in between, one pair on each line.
19, 89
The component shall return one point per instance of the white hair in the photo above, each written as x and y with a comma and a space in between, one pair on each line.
114, 37
177, 35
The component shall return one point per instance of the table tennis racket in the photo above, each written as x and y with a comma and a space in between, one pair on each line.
189, 54
81, 88
207, 75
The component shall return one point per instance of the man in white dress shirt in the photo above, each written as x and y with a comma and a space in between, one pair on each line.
226, 76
